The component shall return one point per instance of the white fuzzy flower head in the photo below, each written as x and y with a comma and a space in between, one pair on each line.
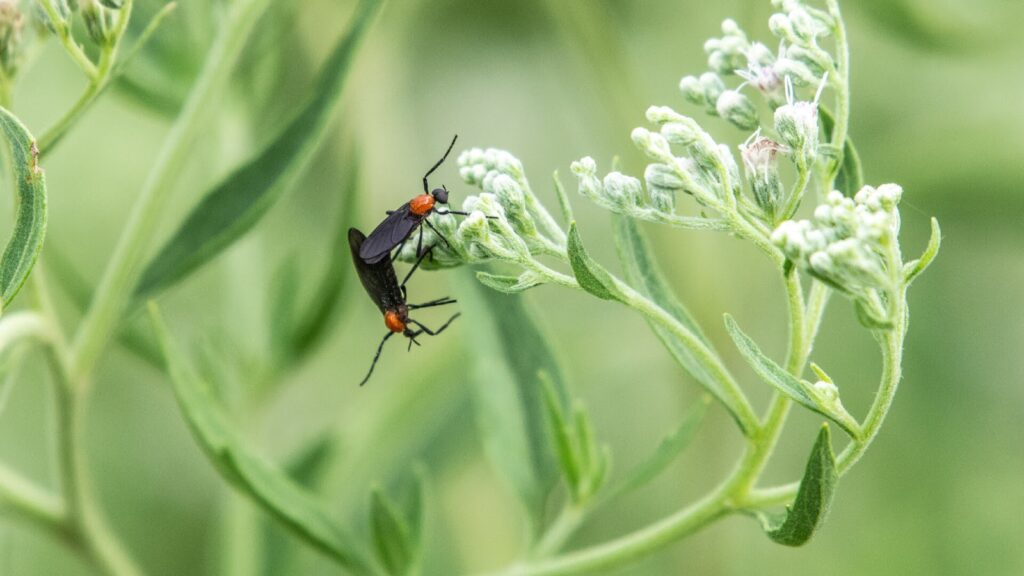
654, 145
476, 164
797, 121
760, 164
737, 109
727, 54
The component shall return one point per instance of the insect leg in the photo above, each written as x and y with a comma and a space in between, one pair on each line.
377, 356
439, 302
426, 187
439, 330
439, 235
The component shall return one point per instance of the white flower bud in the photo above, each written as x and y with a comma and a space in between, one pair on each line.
761, 166
737, 109
781, 26
693, 90
826, 392
623, 190
662, 114
797, 125
663, 176
713, 87
590, 186
654, 145
682, 134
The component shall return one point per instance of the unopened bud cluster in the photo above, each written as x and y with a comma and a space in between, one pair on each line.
505, 222
99, 17
12, 24
848, 242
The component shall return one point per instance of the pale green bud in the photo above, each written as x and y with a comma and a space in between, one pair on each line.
737, 109
797, 125
693, 90
654, 145
623, 190
680, 133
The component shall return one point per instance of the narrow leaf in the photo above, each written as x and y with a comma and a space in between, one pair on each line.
508, 284
235, 205
813, 498
509, 350
312, 321
563, 199
795, 388
642, 272
667, 451
271, 489
913, 269
850, 177
30, 221
390, 534
564, 440
591, 276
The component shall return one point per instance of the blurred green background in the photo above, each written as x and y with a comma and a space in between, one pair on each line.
937, 93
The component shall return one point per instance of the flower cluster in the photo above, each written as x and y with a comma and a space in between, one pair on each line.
708, 171
849, 244
506, 220
11, 46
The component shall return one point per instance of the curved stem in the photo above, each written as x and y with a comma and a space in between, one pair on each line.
71, 46
841, 84
122, 270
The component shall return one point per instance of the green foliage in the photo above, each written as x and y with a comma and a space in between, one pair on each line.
850, 174
26, 240
249, 473
238, 202
591, 276
511, 351
817, 488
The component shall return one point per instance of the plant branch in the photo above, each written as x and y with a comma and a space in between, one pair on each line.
123, 269
67, 39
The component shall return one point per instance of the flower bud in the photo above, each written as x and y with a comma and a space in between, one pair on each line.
654, 145
798, 72
99, 21
781, 27
662, 183
713, 87
682, 134
12, 22
826, 392
806, 27
762, 172
693, 90
662, 114
737, 109
797, 125
623, 190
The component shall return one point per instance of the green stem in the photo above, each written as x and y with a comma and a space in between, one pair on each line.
29, 501
67, 39
560, 531
841, 84
123, 269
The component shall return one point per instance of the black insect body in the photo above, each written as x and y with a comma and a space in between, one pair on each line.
381, 283
401, 223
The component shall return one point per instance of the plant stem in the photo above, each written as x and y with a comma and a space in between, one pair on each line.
67, 39
123, 269
841, 84
101, 76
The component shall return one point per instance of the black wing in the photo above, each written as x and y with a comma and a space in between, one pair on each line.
378, 279
388, 234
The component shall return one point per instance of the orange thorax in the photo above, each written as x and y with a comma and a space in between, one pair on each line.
421, 205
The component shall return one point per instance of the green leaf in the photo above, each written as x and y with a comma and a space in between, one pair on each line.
283, 293
813, 498
591, 276
248, 473
642, 272
30, 221
869, 318
312, 322
391, 535
563, 199
509, 351
795, 388
667, 451
565, 440
850, 177
913, 269
235, 205
509, 284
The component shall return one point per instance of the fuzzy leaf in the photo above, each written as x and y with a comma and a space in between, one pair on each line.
667, 451
248, 473
509, 350
795, 388
591, 276
643, 273
26, 241
390, 534
912, 269
565, 441
813, 498
508, 284
850, 177
235, 205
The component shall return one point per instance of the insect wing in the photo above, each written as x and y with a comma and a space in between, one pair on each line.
370, 275
388, 234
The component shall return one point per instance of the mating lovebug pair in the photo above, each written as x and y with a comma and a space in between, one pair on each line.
374, 263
